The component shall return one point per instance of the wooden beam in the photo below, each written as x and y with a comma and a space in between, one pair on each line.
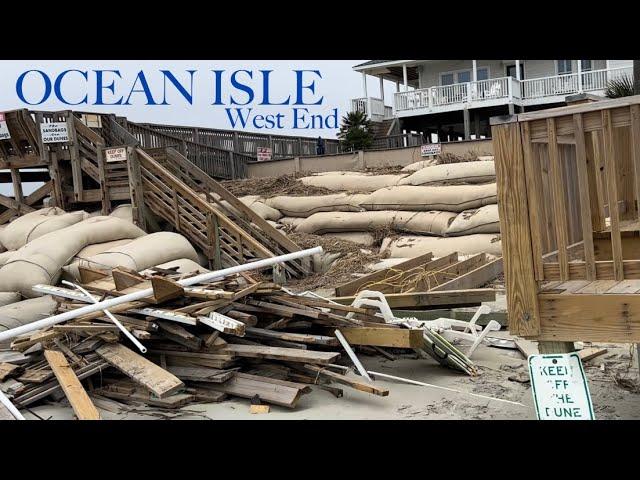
384, 337
595, 318
279, 353
343, 379
605, 270
432, 299
612, 194
473, 279
558, 187
515, 230
585, 197
71, 386
140, 370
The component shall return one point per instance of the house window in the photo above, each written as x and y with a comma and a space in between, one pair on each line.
446, 79
483, 73
564, 67
586, 65
464, 77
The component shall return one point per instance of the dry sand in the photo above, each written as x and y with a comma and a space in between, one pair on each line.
409, 402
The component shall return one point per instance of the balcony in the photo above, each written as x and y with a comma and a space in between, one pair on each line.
375, 108
501, 91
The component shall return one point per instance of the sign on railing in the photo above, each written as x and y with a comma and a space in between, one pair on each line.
115, 154
264, 153
55, 132
4, 130
429, 149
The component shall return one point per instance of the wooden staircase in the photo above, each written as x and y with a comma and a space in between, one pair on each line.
228, 232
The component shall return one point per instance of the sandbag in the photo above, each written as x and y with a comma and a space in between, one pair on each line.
352, 183
287, 221
469, 172
26, 311
361, 238
36, 224
433, 222
321, 262
255, 203
415, 166
306, 206
386, 263
89, 251
5, 256
413, 246
2, 247
480, 220
124, 211
7, 298
450, 198
184, 265
41, 260
141, 253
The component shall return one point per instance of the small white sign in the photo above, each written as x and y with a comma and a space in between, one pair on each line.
264, 153
55, 132
559, 386
116, 154
4, 130
429, 149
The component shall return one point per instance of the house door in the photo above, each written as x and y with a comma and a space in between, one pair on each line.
511, 71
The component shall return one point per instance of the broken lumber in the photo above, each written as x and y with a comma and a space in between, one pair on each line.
280, 353
432, 299
292, 337
140, 370
384, 337
82, 405
336, 377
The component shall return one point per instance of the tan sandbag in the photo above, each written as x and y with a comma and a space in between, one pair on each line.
41, 260
124, 211
141, 253
7, 298
480, 220
91, 250
182, 265
352, 183
361, 238
255, 203
450, 198
433, 222
469, 172
486, 157
413, 246
2, 247
5, 256
306, 206
287, 221
386, 263
415, 166
26, 311
35, 224
340, 172
321, 262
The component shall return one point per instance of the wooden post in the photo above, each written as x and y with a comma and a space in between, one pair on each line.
74, 156
467, 124
556, 347
135, 187
214, 241
522, 289
17, 188
104, 190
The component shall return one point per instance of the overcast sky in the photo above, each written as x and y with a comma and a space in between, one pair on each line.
339, 83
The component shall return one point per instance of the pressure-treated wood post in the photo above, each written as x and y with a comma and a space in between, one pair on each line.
517, 252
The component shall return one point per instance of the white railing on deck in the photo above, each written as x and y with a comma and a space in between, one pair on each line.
359, 105
550, 86
373, 107
490, 89
388, 111
598, 79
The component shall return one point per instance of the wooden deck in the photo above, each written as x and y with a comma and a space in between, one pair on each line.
586, 287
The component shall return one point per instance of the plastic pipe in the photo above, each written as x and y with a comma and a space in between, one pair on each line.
122, 328
11, 407
131, 297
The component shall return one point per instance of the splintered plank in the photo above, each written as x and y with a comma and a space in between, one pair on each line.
384, 337
9, 370
358, 385
71, 386
279, 353
473, 279
199, 374
270, 390
293, 337
140, 370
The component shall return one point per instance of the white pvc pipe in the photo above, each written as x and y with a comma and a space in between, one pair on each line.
352, 355
122, 328
11, 407
132, 297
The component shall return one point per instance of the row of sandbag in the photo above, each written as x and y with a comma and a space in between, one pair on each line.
98, 242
